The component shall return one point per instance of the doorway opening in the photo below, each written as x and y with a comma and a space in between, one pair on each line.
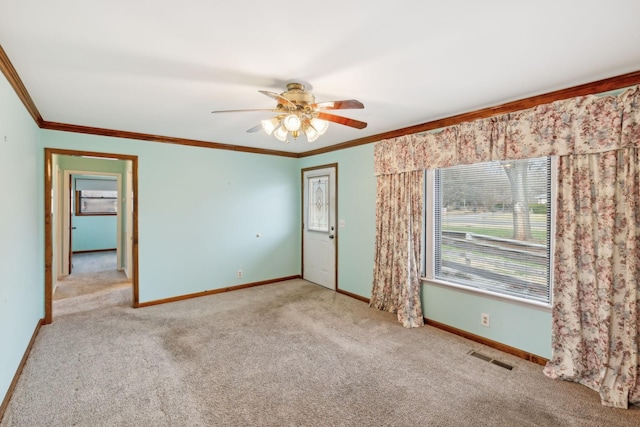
95, 269
92, 218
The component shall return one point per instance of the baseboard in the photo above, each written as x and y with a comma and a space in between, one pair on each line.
489, 343
12, 386
214, 291
352, 295
94, 250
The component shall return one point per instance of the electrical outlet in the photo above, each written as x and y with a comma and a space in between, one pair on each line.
484, 319
239, 273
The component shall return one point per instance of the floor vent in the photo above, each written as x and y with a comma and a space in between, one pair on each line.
490, 360
480, 356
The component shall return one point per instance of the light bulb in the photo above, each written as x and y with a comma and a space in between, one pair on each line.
270, 125
312, 134
320, 125
281, 133
291, 122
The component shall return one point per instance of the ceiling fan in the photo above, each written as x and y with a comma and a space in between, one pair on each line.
298, 112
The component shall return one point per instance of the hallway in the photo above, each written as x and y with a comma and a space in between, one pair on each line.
94, 283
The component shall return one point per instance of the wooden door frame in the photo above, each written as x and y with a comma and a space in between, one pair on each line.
302, 192
67, 186
48, 227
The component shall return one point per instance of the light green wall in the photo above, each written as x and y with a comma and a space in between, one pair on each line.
21, 233
518, 325
199, 211
93, 233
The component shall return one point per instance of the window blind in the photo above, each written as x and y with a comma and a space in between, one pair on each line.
491, 227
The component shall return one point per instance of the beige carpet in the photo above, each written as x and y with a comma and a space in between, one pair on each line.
88, 283
91, 262
284, 354
94, 283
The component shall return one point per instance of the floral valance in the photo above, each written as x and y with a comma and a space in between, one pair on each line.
581, 125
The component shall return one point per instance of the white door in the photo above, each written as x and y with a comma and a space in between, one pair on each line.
319, 237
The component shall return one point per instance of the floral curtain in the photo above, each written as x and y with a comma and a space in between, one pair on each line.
582, 125
596, 295
596, 303
396, 275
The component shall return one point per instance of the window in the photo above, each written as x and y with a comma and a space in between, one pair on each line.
491, 225
96, 202
318, 209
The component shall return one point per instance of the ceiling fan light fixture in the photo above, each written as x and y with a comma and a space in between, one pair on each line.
270, 125
291, 122
320, 125
298, 113
281, 133
311, 133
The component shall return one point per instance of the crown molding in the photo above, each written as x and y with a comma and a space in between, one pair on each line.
16, 83
159, 138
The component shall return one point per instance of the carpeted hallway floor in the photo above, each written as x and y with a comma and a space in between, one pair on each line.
94, 283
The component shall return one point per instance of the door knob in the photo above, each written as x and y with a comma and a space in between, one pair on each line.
331, 236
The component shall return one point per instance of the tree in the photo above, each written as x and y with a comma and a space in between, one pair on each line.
453, 188
517, 174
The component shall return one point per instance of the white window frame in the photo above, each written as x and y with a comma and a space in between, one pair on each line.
429, 241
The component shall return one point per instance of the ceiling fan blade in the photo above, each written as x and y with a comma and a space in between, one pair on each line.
342, 120
346, 104
242, 111
281, 99
256, 128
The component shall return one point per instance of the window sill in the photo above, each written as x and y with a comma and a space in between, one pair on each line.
481, 292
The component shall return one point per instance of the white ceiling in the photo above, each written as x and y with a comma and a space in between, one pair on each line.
160, 67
